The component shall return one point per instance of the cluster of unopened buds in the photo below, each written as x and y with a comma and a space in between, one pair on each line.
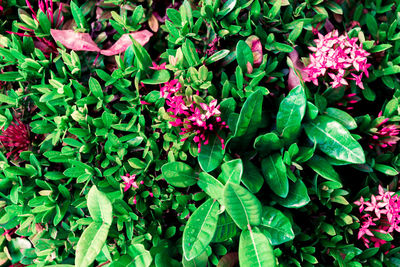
16, 137
337, 56
382, 215
130, 181
198, 119
385, 134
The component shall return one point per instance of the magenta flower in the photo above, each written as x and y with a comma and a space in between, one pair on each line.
337, 55
129, 181
158, 67
170, 88
382, 214
16, 136
384, 134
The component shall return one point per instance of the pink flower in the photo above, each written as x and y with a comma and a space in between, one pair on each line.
129, 181
16, 136
158, 67
384, 135
337, 55
170, 88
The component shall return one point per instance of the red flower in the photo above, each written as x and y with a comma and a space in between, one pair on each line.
16, 136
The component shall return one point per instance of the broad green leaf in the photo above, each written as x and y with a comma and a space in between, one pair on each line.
174, 16
200, 229
244, 55
211, 154
140, 256
190, 54
297, 197
291, 112
277, 225
250, 118
211, 186
232, 171
178, 174
255, 249
199, 261
95, 88
343, 117
252, 178
321, 166
242, 206
274, 171
90, 243
267, 142
335, 140
226, 8
226, 228
100, 207
160, 76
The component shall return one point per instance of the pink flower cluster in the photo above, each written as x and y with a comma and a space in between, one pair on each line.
130, 181
382, 214
198, 119
386, 135
337, 56
17, 137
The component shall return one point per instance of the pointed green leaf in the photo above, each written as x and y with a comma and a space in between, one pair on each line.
232, 171
100, 207
226, 228
211, 154
297, 197
178, 174
277, 225
274, 171
244, 55
211, 186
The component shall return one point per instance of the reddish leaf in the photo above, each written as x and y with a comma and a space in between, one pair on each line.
229, 260
293, 79
142, 37
76, 41
256, 47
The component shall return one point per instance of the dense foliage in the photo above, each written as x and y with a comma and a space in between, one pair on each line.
199, 133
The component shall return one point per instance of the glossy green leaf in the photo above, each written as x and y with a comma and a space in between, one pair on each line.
291, 112
211, 154
190, 54
100, 207
274, 171
277, 225
343, 117
226, 228
142, 58
335, 140
178, 174
321, 166
244, 55
232, 171
217, 56
90, 243
200, 229
95, 88
255, 249
211, 186
242, 206
199, 261
79, 18
250, 118
267, 142
297, 197
252, 177
160, 76
140, 256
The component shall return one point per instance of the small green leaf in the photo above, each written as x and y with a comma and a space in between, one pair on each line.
159, 77
178, 174
274, 171
321, 166
95, 88
244, 55
297, 197
79, 18
190, 54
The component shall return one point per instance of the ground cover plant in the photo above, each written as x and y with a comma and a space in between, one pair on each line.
199, 133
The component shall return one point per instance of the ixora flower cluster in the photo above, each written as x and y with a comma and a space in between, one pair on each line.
337, 56
382, 215
16, 137
198, 119
384, 134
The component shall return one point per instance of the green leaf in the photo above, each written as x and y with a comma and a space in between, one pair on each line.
100, 207
250, 118
44, 22
343, 117
267, 142
297, 197
274, 9
386, 237
140, 256
211, 154
244, 55
199, 261
252, 178
277, 225
232, 171
321, 166
79, 18
174, 16
388, 170
255, 249
142, 57
160, 76
211, 186
95, 88
90, 243
291, 112
11, 76
190, 54
226, 8
178, 174
217, 56
226, 228
335, 140
380, 48
200, 229
274, 171
242, 206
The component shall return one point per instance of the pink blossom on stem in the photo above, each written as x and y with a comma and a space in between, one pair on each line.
384, 134
337, 55
129, 181
158, 67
